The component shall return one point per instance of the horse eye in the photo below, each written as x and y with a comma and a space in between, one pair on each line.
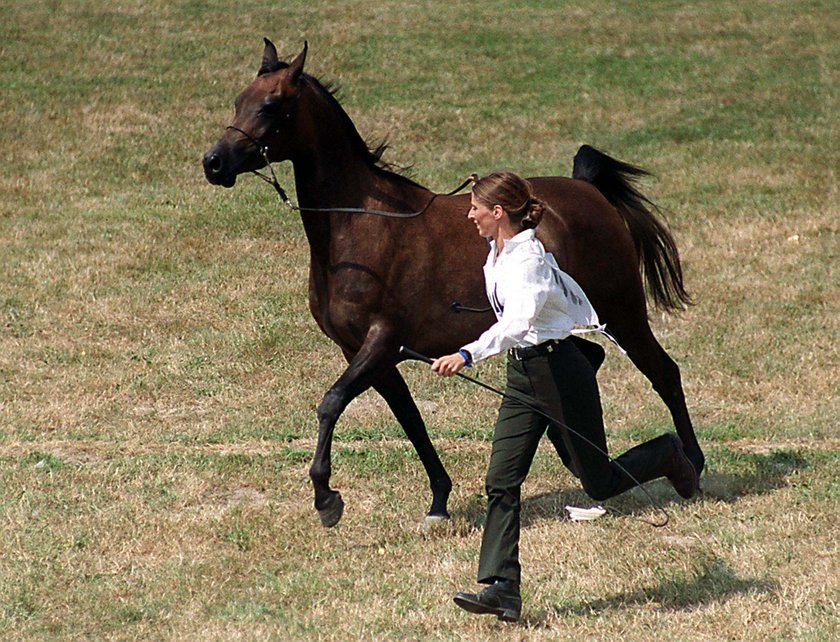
269, 108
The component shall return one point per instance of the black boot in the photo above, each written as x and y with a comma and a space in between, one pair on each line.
500, 599
660, 457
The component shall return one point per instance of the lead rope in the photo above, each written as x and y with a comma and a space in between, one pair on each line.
411, 354
272, 180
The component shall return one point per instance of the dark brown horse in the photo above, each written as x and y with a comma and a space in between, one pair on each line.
376, 283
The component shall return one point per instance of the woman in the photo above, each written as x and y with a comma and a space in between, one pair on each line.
538, 308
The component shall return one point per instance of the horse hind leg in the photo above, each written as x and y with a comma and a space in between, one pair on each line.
394, 390
664, 375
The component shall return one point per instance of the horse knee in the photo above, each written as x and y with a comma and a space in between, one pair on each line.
330, 407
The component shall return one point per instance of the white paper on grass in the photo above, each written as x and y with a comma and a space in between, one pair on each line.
578, 514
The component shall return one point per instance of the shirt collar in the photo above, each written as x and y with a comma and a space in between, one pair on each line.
523, 237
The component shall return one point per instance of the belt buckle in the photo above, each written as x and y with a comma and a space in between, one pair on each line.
514, 352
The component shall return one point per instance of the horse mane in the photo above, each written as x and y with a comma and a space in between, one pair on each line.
371, 153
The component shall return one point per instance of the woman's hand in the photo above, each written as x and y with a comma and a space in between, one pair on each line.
449, 365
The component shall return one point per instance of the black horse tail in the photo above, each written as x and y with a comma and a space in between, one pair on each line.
659, 260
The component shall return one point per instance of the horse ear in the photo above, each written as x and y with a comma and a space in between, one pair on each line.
269, 59
296, 68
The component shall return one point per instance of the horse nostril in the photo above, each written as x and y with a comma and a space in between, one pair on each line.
213, 163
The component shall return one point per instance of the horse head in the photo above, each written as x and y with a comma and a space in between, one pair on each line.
265, 119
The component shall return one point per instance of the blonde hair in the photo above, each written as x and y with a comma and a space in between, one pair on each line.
513, 194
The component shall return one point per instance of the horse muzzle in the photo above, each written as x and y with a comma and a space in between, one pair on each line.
217, 170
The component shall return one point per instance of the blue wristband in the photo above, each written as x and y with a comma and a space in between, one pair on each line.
467, 358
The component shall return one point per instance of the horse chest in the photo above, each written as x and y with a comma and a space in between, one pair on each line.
342, 299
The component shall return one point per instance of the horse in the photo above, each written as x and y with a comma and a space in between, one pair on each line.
377, 283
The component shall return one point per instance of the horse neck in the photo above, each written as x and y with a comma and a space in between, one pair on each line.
332, 171
329, 163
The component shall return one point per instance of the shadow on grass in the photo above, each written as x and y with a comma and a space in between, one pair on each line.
735, 474
728, 476
711, 581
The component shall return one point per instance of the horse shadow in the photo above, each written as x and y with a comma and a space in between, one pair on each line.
735, 474
712, 580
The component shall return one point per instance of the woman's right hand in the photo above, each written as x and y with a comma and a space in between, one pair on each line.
449, 365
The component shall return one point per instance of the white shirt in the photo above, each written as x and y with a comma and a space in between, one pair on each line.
534, 300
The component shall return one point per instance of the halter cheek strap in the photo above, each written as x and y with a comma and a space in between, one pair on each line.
263, 149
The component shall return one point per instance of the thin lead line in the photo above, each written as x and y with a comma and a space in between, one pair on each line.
420, 357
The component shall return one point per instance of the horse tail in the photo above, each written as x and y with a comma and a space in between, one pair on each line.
659, 260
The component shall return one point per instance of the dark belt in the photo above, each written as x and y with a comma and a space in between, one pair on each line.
540, 350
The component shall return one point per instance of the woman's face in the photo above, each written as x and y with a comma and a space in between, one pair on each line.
484, 218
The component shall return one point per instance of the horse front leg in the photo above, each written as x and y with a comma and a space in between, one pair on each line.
363, 368
393, 389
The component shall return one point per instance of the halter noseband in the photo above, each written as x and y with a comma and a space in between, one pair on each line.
263, 150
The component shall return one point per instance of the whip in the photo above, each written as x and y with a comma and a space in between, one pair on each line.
576, 513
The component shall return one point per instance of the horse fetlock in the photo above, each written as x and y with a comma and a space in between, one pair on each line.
320, 474
441, 486
697, 458
440, 498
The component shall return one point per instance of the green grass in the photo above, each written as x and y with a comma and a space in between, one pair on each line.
159, 369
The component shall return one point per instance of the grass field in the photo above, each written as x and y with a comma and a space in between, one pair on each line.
159, 369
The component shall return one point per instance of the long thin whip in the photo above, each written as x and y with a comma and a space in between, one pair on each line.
411, 354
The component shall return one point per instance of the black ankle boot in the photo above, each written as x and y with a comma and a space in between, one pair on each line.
681, 472
500, 599
660, 457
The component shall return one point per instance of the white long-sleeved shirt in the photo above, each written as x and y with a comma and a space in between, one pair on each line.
534, 300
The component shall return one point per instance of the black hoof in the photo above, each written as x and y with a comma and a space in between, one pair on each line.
332, 511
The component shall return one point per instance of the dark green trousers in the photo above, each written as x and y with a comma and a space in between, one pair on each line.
562, 384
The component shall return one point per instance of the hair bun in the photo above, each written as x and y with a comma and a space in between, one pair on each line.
514, 195
533, 214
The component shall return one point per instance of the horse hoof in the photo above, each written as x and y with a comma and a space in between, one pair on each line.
333, 510
434, 522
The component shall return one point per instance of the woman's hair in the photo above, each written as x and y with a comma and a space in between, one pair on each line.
513, 193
